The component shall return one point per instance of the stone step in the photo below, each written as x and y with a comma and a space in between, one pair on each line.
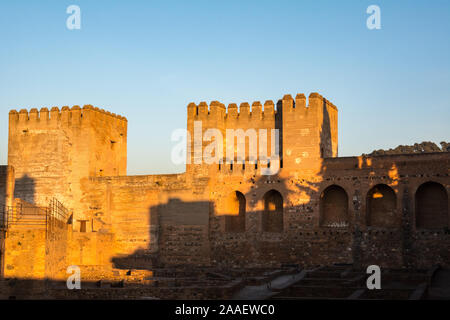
317, 291
338, 282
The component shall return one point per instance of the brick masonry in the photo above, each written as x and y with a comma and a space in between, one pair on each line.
360, 210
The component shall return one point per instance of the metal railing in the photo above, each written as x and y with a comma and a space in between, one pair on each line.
57, 210
57, 216
28, 215
25, 215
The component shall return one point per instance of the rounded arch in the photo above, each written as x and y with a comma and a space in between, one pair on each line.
381, 207
272, 218
334, 207
431, 206
235, 212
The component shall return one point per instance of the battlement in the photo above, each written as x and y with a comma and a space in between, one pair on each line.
52, 150
67, 116
257, 110
202, 110
307, 130
315, 100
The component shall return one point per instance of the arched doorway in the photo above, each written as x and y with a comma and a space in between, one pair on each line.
382, 207
334, 207
431, 206
272, 219
235, 212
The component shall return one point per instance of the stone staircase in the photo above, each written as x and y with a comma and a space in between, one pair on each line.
346, 282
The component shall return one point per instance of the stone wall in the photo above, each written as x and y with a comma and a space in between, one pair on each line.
2, 251
6, 199
136, 222
25, 253
306, 241
158, 219
184, 232
57, 249
307, 133
36, 246
52, 151
317, 210
7, 176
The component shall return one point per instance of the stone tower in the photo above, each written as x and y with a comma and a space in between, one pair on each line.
52, 152
307, 132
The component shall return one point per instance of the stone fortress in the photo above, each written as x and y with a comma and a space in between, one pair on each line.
319, 209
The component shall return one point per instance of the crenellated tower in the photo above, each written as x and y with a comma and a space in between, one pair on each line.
53, 151
307, 133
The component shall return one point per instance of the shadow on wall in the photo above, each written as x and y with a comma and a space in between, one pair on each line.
5, 184
187, 232
353, 210
178, 233
25, 189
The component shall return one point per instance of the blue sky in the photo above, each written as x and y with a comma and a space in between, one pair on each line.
148, 60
